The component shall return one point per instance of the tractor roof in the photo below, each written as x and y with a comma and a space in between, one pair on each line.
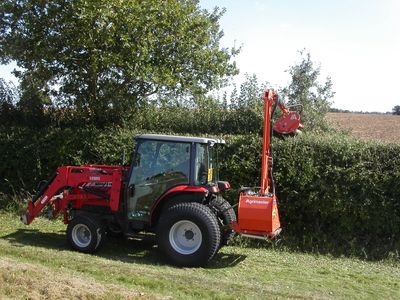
176, 138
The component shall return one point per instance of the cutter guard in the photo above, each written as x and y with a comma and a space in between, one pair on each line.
258, 216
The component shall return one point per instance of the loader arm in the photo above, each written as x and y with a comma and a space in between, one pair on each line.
95, 185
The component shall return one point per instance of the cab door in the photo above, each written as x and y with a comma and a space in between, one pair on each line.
158, 166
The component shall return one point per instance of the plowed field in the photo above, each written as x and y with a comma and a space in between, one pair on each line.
368, 126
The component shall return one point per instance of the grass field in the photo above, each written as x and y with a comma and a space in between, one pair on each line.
36, 263
368, 126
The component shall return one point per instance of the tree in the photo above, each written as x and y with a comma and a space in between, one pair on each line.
305, 89
246, 106
8, 98
33, 98
8, 94
396, 110
106, 57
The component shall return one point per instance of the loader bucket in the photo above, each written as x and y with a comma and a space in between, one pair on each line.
258, 216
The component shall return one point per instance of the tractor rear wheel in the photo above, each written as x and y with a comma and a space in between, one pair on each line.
226, 216
188, 234
85, 234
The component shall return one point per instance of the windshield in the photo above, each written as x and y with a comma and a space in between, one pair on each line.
158, 166
156, 158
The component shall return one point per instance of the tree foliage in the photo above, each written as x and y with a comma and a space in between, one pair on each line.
8, 93
396, 110
305, 89
105, 57
8, 98
212, 114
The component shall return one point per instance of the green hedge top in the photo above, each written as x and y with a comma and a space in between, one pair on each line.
336, 192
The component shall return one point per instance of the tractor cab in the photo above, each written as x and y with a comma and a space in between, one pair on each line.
166, 165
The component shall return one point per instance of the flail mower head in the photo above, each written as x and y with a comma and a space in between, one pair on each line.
258, 215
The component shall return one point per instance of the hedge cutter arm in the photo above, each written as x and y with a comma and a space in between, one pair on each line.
258, 210
288, 124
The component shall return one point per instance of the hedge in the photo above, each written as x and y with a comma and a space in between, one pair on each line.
31, 155
336, 194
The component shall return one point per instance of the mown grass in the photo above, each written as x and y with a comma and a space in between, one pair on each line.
36, 262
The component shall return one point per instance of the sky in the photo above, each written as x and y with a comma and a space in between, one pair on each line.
356, 43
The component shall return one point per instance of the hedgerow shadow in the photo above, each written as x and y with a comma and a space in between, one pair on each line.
34, 237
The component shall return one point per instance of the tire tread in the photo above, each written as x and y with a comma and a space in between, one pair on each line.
191, 210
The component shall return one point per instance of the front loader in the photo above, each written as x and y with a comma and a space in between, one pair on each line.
171, 190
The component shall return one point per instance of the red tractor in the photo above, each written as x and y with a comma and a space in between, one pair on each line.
170, 190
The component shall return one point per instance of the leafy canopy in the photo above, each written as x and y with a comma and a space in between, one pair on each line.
396, 110
108, 56
305, 89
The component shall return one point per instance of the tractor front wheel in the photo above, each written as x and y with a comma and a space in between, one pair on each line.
85, 234
188, 234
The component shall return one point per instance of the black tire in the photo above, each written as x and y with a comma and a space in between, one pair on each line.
188, 234
114, 230
85, 234
226, 215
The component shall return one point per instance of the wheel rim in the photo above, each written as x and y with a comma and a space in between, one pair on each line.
185, 237
81, 235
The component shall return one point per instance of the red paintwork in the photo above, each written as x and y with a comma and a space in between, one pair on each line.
175, 190
71, 180
258, 212
227, 185
288, 124
269, 98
